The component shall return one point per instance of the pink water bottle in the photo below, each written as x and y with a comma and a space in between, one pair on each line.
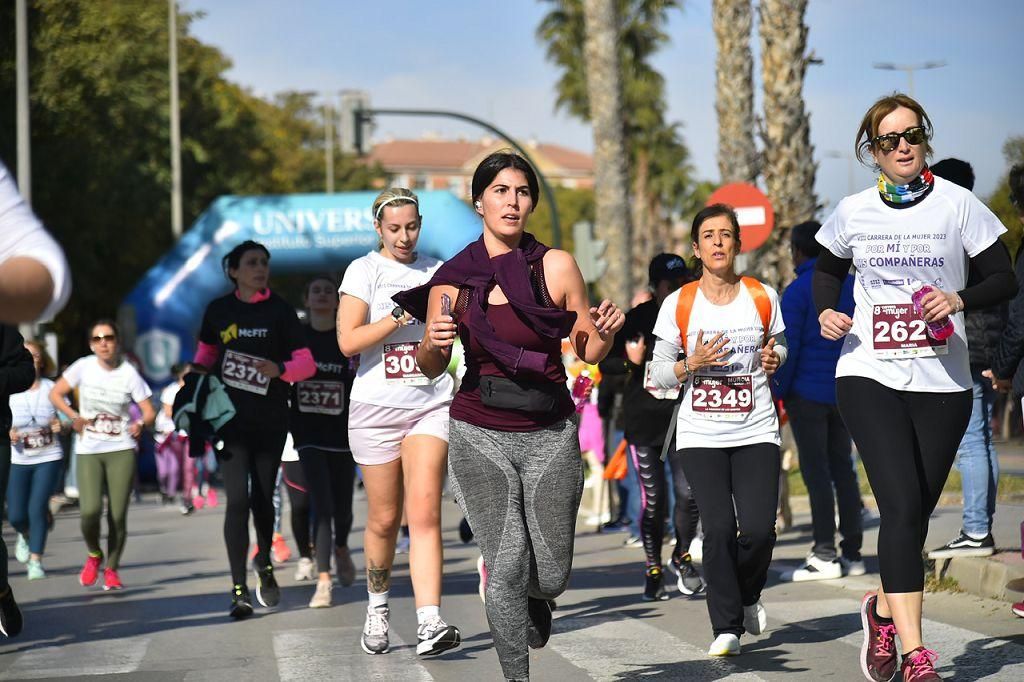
940, 330
579, 389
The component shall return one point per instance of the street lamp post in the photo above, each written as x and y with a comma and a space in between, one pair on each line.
909, 69
172, 30
24, 145
328, 148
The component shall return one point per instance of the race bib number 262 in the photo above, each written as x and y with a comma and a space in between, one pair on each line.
896, 332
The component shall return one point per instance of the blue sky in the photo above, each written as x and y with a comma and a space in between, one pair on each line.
482, 58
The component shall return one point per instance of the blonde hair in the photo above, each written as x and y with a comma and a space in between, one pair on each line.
868, 130
48, 365
393, 196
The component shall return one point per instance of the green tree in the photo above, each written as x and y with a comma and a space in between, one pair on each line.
999, 200
100, 140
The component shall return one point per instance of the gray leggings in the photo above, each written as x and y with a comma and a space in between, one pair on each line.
520, 492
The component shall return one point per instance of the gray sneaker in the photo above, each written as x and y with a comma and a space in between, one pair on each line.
436, 636
374, 639
322, 596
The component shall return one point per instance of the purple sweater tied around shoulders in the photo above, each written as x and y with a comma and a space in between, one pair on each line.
475, 269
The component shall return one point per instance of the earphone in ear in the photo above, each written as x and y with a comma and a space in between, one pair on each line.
477, 204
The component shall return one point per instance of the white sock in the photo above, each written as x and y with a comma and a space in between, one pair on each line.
975, 536
377, 599
424, 613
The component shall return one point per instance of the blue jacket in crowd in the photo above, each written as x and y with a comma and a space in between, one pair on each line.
810, 369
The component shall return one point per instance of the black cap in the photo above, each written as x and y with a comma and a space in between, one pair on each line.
667, 266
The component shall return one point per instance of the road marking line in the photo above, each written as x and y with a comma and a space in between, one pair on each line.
335, 654
101, 657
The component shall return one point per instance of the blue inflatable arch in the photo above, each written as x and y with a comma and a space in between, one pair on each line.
304, 233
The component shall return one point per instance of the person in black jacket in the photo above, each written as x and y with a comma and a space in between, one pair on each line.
976, 458
17, 372
1008, 358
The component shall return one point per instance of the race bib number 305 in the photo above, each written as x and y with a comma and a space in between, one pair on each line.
400, 364
896, 332
659, 393
239, 371
106, 426
321, 397
729, 398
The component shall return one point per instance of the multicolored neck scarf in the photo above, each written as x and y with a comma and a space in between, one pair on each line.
905, 194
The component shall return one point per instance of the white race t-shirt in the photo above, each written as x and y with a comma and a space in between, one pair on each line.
103, 399
726, 406
31, 415
895, 250
21, 234
388, 375
164, 424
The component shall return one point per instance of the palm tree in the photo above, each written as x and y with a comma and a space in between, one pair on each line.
611, 170
789, 165
734, 81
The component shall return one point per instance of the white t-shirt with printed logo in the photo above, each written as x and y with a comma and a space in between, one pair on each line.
895, 251
388, 375
728, 406
103, 399
31, 415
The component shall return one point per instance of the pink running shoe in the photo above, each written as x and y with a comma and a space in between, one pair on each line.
111, 580
211, 497
1018, 609
198, 502
482, 570
878, 653
91, 571
919, 666
280, 549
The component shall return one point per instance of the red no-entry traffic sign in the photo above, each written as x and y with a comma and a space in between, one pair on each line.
753, 210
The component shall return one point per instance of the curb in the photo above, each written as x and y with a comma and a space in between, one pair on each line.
1000, 576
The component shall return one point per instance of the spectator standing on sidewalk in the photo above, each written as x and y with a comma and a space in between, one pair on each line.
1006, 372
807, 386
976, 458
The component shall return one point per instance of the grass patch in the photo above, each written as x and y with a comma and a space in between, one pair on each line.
1011, 488
944, 584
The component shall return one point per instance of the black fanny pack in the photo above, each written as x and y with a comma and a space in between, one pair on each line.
506, 394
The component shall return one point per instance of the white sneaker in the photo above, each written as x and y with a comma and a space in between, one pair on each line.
374, 639
304, 570
815, 569
435, 636
851, 567
696, 548
755, 620
21, 550
725, 645
322, 596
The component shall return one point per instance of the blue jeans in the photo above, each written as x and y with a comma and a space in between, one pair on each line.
977, 460
28, 496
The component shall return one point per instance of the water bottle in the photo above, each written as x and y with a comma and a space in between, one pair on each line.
940, 330
579, 389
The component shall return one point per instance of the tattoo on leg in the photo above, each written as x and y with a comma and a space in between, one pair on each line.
377, 579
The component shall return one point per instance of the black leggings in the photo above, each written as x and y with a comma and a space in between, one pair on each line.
331, 477
298, 498
256, 455
654, 497
737, 492
907, 441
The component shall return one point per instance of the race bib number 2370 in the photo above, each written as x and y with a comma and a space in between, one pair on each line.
239, 371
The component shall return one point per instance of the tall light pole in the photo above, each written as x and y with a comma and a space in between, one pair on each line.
24, 144
909, 69
172, 31
835, 154
328, 147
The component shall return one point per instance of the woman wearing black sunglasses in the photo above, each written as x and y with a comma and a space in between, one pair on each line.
903, 380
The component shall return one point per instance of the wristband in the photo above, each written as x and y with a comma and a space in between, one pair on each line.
281, 368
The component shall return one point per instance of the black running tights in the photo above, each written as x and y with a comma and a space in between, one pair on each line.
331, 478
249, 454
654, 498
295, 483
907, 441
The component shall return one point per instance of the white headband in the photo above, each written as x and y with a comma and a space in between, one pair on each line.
388, 201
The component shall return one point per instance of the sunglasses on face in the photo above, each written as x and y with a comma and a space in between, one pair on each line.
890, 141
103, 337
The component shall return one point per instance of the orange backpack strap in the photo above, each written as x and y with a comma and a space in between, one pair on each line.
762, 302
686, 297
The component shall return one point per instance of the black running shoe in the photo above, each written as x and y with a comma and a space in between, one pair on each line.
435, 636
540, 621
654, 588
10, 615
688, 580
964, 545
267, 592
241, 603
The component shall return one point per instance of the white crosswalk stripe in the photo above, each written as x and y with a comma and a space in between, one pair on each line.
969, 654
609, 648
335, 654
101, 657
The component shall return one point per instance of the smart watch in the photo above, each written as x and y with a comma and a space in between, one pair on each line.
398, 315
